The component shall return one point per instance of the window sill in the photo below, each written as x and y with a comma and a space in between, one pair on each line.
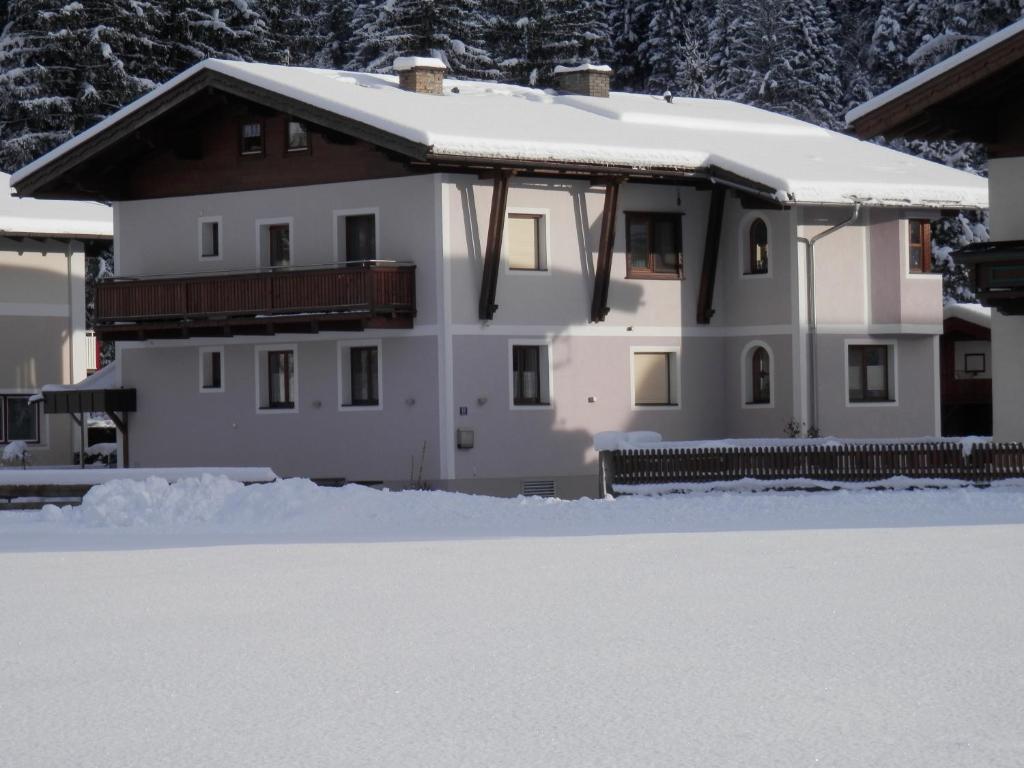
277, 409
756, 274
655, 406
870, 403
349, 407
531, 406
654, 276
769, 404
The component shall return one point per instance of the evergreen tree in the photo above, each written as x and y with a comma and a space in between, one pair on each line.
515, 38
194, 30
301, 29
674, 51
451, 30
334, 24
629, 22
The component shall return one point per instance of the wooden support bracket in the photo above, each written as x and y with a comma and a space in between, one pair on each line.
712, 240
492, 254
603, 270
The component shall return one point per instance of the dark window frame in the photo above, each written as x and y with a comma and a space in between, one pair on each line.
212, 360
754, 267
372, 370
922, 243
215, 224
760, 377
262, 151
271, 229
288, 149
652, 271
521, 361
288, 403
5, 426
349, 238
862, 373
984, 362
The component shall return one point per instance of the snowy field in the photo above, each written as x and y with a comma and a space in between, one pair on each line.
207, 624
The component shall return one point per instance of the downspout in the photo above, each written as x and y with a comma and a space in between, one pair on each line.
71, 355
812, 322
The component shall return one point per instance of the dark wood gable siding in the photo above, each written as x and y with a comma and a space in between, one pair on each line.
204, 158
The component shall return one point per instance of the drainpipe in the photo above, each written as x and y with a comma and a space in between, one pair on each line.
812, 322
71, 353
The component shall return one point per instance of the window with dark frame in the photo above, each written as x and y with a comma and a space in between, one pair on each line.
920, 246
298, 136
761, 381
526, 376
19, 419
252, 138
363, 376
758, 247
212, 370
280, 379
868, 367
974, 362
211, 239
361, 237
279, 244
654, 245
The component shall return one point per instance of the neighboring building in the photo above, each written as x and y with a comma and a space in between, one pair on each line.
966, 370
42, 314
336, 274
976, 96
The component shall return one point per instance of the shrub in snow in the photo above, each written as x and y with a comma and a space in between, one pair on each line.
15, 452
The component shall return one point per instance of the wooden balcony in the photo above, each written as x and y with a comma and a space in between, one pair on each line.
997, 274
345, 297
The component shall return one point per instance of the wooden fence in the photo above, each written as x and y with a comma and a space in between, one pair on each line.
857, 463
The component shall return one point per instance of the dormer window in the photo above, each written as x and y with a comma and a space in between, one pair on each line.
252, 138
758, 248
298, 136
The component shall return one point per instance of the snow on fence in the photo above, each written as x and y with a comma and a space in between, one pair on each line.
629, 464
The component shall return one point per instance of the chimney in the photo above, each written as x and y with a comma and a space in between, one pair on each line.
584, 79
420, 74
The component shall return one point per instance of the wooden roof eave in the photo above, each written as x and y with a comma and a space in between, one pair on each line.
898, 117
35, 184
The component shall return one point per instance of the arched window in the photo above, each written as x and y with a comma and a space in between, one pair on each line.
761, 376
758, 263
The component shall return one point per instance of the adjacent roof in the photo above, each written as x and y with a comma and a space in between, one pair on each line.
505, 124
971, 313
52, 218
995, 56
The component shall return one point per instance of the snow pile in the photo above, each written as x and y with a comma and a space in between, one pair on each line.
15, 452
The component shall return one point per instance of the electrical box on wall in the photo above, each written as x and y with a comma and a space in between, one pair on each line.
464, 439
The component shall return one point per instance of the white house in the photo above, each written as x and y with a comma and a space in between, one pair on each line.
974, 96
42, 314
365, 276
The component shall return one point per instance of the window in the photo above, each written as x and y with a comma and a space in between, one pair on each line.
360, 238
298, 136
974, 363
654, 378
531, 383
252, 138
869, 373
209, 238
277, 378
363, 379
211, 370
760, 377
359, 374
757, 263
653, 245
275, 243
525, 242
19, 419
920, 246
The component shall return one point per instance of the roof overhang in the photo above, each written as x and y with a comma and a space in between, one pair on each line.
955, 99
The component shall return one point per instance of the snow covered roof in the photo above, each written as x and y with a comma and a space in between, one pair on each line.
490, 122
971, 313
54, 218
935, 72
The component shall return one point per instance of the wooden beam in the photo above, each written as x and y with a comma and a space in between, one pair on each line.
492, 254
603, 271
712, 239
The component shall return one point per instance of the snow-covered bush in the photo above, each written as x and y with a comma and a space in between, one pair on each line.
15, 453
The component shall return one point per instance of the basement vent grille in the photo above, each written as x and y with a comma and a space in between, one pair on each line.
539, 488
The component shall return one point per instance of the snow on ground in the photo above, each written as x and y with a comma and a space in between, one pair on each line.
203, 623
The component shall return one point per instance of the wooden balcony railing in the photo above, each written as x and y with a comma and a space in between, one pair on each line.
997, 274
334, 297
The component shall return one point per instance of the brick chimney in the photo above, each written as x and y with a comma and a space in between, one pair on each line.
420, 74
585, 79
